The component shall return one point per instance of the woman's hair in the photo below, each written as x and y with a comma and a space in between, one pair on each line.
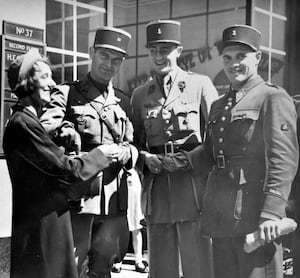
27, 84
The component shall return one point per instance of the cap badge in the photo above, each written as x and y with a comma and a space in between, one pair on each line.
159, 31
119, 39
233, 33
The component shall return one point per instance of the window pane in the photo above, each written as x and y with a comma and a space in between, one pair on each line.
279, 7
82, 71
86, 26
142, 50
150, 11
217, 5
124, 12
264, 4
193, 32
53, 10
262, 24
56, 75
188, 7
278, 37
124, 80
69, 35
131, 49
98, 3
277, 68
54, 35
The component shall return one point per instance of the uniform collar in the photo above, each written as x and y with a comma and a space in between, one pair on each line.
251, 83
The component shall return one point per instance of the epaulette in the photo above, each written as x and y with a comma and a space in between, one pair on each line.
271, 85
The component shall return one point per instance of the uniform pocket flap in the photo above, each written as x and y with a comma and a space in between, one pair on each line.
252, 114
82, 110
185, 108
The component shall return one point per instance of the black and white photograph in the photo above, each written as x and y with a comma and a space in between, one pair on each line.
149, 139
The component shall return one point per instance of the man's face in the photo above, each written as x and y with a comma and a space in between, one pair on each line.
164, 56
240, 63
105, 64
43, 81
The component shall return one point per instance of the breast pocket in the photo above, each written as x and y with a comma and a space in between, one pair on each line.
152, 118
186, 116
245, 121
84, 117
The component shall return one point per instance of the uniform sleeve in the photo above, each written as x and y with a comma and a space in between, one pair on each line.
281, 152
55, 111
43, 154
209, 95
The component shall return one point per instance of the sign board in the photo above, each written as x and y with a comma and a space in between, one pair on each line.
16, 40
23, 31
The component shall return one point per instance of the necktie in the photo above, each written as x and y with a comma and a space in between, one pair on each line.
167, 84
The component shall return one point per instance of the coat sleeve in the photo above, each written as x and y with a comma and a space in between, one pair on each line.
281, 152
54, 113
209, 95
44, 155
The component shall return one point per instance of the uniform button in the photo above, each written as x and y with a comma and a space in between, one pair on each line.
221, 152
229, 103
222, 129
168, 133
223, 119
226, 107
167, 121
220, 140
244, 148
230, 99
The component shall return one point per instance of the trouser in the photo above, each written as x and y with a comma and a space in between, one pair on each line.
169, 241
231, 261
102, 240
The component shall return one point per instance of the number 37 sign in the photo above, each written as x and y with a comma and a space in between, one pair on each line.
23, 31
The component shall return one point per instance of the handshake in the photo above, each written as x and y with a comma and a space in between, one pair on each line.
116, 152
70, 139
169, 162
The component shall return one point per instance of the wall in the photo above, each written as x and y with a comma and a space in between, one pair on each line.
22, 12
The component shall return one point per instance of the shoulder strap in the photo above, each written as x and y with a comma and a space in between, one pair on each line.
102, 115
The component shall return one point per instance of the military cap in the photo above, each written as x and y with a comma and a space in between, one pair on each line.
241, 34
112, 38
20, 66
163, 31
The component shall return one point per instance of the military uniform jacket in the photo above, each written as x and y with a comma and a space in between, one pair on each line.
42, 241
159, 119
80, 105
252, 150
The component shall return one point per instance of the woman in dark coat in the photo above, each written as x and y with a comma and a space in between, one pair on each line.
41, 176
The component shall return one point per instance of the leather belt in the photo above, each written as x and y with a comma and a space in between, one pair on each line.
223, 162
170, 147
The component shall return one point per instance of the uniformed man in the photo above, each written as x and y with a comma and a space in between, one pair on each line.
97, 111
251, 150
166, 119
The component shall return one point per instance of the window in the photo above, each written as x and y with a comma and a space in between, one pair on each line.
70, 30
269, 16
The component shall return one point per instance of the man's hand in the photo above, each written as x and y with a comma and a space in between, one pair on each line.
122, 153
174, 162
268, 230
154, 163
70, 139
109, 151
